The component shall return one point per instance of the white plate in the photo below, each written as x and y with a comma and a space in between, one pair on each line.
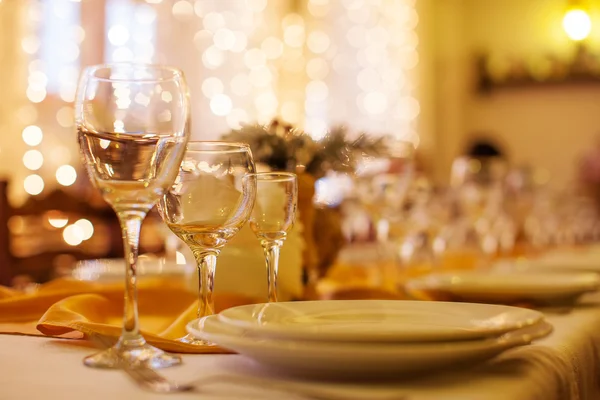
490, 286
359, 359
584, 262
378, 320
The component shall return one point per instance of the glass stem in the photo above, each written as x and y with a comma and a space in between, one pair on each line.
271, 249
131, 222
206, 261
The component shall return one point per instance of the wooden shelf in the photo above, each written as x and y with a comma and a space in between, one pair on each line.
488, 87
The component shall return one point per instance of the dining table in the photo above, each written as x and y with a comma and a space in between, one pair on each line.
563, 366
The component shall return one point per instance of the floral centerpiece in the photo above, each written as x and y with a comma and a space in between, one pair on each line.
283, 148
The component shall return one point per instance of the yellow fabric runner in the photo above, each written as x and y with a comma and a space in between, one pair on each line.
70, 308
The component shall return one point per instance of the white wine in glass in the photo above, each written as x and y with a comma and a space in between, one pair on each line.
273, 216
209, 202
133, 124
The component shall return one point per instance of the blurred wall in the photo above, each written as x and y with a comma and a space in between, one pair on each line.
13, 69
548, 127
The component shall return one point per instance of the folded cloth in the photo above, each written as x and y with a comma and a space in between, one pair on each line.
70, 308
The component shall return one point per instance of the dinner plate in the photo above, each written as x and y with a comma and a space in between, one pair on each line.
583, 262
378, 320
538, 287
343, 359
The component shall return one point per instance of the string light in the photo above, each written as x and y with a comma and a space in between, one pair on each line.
224, 39
53, 45
66, 175
375, 103
118, 35
32, 135
33, 184
290, 71
318, 42
211, 87
277, 66
221, 104
86, 227
73, 235
57, 219
182, 9
380, 50
213, 57
35, 95
33, 160
201, 38
293, 35
261, 76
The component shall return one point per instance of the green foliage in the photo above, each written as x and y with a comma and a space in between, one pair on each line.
283, 147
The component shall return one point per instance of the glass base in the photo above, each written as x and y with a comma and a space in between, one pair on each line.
145, 355
190, 339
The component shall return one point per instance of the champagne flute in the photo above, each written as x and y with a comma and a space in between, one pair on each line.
210, 201
133, 124
273, 216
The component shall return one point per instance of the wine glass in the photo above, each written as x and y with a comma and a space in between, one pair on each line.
272, 217
210, 201
133, 123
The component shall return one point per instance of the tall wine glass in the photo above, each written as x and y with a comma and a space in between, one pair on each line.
273, 216
133, 124
210, 201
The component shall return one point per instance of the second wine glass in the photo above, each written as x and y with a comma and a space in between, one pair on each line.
273, 216
211, 199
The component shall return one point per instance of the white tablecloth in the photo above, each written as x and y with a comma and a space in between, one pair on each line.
565, 366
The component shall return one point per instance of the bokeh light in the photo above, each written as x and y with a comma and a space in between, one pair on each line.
66, 175
86, 227
118, 35
33, 160
577, 24
33, 184
73, 235
318, 42
221, 104
183, 9
211, 87
32, 135
224, 39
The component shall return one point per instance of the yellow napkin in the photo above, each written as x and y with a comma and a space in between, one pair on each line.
70, 308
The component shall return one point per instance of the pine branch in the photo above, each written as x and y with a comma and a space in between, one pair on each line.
284, 148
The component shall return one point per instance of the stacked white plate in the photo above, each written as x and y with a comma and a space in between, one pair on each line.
370, 337
566, 262
508, 286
